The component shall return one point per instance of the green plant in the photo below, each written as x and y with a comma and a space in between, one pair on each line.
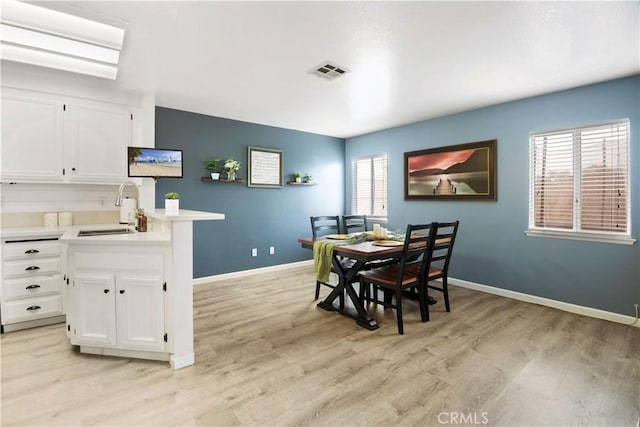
231, 165
213, 165
297, 175
307, 178
172, 195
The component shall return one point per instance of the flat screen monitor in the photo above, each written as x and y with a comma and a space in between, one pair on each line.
154, 162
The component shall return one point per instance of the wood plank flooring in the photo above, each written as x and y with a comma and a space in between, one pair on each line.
267, 356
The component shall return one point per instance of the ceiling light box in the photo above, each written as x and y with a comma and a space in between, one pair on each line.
47, 38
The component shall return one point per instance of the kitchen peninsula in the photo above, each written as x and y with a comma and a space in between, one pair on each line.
131, 294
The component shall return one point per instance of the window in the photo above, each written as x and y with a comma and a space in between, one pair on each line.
369, 186
579, 183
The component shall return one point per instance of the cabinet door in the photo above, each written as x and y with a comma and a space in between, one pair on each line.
32, 136
96, 137
95, 309
140, 308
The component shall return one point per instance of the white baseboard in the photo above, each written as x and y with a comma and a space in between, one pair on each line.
244, 273
565, 306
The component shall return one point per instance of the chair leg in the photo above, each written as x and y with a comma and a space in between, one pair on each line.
399, 310
317, 289
424, 307
445, 290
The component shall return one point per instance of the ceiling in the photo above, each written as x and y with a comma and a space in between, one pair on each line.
407, 61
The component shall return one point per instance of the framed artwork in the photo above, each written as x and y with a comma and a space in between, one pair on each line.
265, 168
456, 172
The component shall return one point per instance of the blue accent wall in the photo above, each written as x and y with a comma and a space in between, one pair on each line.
255, 217
492, 248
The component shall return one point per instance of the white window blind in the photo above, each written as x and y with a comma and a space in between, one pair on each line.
369, 186
579, 180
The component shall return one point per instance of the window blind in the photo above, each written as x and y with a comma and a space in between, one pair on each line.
369, 186
580, 179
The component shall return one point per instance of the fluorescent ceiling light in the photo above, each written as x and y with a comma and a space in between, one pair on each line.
20, 36
48, 38
60, 62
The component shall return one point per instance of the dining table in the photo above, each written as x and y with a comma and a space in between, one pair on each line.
361, 253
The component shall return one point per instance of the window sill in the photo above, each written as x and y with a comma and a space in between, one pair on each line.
589, 237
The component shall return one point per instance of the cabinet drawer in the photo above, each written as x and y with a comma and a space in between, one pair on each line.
30, 250
30, 268
32, 286
32, 308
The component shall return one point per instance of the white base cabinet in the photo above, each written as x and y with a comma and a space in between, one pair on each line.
118, 299
31, 287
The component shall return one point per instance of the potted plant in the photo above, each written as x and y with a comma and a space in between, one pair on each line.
213, 166
171, 203
307, 178
297, 177
231, 166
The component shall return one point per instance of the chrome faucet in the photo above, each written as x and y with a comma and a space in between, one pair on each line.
121, 189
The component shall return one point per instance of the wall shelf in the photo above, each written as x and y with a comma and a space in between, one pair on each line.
301, 183
208, 179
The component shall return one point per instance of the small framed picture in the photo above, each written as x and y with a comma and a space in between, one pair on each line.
265, 167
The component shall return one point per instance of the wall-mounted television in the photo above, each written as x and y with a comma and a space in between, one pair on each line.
154, 162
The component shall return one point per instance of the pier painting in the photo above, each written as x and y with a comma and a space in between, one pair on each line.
458, 172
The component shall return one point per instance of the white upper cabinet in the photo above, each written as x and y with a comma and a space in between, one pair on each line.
32, 136
96, 138
53, 138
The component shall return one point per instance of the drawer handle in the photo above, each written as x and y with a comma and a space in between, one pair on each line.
106, 291
32, 268
121, 291
32, 287
32, 251
34, 307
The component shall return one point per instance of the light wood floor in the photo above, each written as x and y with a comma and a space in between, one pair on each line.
266, 355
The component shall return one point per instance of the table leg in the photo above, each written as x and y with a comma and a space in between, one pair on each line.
344, 284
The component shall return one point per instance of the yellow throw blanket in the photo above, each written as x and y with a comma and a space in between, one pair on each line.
322, 258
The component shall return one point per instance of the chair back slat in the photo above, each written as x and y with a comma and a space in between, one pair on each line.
325, 224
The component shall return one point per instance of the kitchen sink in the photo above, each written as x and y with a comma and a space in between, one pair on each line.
85, 233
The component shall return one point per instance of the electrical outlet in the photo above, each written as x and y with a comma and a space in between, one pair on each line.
272, 250
254, 252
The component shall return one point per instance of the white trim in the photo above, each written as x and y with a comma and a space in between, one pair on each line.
589, 237
572, 308
565, 306
182, 361
245, 273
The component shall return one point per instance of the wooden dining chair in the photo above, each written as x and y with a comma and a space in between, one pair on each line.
322, 226
358, 223
326, 224
409, 273
354, 223
445, 237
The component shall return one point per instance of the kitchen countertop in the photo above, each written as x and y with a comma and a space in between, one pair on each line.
184, 215
8, 233
134, 238
69, 234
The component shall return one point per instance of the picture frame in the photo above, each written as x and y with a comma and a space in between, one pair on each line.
265, 167
455, 172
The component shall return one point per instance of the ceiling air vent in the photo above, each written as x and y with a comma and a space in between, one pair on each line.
328, 70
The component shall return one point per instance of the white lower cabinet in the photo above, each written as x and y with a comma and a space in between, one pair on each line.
31, 282
94, 322
140, 309
124, 311
117, 300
